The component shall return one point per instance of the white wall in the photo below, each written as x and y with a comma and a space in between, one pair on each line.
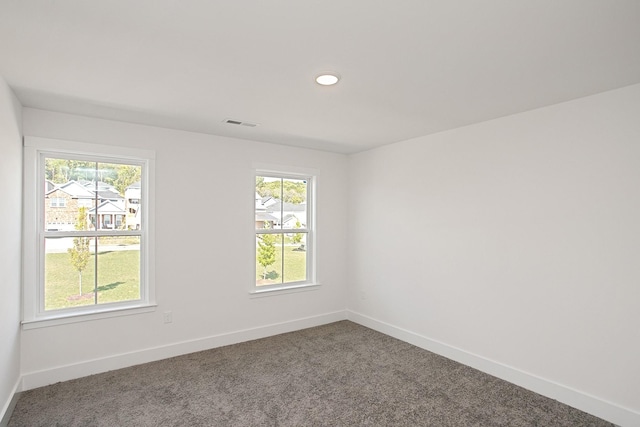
515, 240
10, 242
204, 262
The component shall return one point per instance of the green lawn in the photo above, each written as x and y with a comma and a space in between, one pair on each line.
295, 267
118, 279
119, 276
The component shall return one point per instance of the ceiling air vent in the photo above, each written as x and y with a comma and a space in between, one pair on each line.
239, 123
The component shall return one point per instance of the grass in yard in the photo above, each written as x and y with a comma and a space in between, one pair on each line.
295, 267
118, 279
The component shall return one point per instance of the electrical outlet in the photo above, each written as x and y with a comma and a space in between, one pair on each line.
168, 317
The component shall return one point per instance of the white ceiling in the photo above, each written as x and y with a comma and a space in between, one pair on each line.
408, 67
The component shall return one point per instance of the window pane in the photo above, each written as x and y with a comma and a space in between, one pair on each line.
280, 203
268, 259
67, 200
268, 202
118, 269
109, 193
281, 258
117, 202
69, 272
133, 203
294, 206
295, 258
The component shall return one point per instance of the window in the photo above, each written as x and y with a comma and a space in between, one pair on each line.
283, 231
58, 202
89, 265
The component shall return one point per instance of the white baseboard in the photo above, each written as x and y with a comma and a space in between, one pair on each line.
600, 408
7, 410
32, 380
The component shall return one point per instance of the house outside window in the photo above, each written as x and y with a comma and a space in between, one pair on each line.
89, 263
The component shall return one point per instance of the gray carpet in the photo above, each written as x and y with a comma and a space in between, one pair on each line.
341, 374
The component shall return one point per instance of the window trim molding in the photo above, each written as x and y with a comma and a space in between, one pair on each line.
33, 314
295, 172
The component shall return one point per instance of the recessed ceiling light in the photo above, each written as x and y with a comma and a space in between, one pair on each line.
327, 79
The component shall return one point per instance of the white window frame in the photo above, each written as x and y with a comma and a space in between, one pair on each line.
312, 176
35, 149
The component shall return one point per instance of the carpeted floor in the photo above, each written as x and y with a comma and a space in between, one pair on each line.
341, 374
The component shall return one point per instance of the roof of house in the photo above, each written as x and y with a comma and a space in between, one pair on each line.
109, 194
263, 216
108, 207
91, 185
286, 206
74, 189
290, 217
82, 190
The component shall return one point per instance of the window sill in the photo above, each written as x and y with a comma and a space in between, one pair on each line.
97, 313
284, 289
